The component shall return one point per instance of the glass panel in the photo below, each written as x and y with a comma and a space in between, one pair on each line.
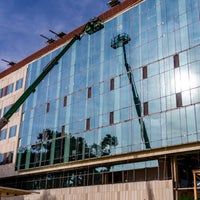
3, 134
19, 84
10, 88
191, 124
12, 132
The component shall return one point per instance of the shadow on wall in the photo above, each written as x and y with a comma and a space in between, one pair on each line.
150, 191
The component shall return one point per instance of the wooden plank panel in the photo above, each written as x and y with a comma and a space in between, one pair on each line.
139, 190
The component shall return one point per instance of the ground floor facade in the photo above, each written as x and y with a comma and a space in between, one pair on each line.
128, 191
154, 174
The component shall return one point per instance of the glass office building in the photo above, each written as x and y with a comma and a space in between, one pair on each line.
86, 105
85, 108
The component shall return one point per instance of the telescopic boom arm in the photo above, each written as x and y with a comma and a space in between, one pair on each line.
120, 41
91, 27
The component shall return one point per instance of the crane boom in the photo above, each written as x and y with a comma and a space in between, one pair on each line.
91, 27
120, 41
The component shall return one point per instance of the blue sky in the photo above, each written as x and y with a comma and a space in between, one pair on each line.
22, 22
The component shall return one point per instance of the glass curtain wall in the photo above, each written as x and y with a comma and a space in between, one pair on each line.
84, 108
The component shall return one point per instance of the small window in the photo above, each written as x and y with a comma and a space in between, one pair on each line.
112, 84
3, 134
65, 101
1, 93
19, 84
88, 124
1, 158
111, 117
144, 72
176, 61
89, 92
4, 158
10, 88
9, 157
178, 99
12, 132
146, 108
6, 109
5, 91
47, 107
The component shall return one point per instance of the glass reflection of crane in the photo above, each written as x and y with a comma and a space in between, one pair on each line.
120, 41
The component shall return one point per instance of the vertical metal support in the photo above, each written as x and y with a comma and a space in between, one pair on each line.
53, 144
98, 150
195, 186
28, 157
175, 176
19, 156
67, 148
83, 150
162, 174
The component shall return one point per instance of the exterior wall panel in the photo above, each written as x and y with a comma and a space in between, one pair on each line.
155, 190
10, 144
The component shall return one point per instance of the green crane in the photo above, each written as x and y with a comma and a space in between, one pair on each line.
120, 41
91, 27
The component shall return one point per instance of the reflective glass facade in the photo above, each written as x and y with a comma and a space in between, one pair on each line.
84, 108
111, 174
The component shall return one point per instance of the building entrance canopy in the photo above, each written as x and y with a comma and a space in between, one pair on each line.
12, 192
